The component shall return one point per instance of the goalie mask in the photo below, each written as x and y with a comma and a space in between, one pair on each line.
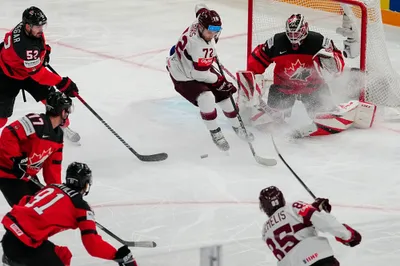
271, 199
296, 30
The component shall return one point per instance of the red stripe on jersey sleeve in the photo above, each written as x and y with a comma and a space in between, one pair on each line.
45, 77
94, 243
258, 60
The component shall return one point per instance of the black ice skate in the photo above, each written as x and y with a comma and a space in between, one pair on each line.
219, 139
242, 134
7, 262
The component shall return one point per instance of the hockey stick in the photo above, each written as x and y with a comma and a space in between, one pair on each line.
260, 160
146, 158
141, 244
290, 168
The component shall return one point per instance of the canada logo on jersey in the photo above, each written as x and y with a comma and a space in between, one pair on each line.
36, 160
298, 72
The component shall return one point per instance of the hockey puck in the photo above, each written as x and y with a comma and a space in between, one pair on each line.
204, 156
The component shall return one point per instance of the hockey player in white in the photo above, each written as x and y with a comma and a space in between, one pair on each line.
324, 63
291, 232
191, 69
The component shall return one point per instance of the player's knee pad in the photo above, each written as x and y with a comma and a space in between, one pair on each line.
64, 254
206, 101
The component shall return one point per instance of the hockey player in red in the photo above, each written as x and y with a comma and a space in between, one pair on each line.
291, 232
24, 55
53, 209
32, 143
305, 60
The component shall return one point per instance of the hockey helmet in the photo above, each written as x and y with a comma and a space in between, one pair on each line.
57, 102
34, 17
271, 199
296, 29
210, 20
79, 176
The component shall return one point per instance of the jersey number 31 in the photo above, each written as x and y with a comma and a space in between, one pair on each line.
43, 200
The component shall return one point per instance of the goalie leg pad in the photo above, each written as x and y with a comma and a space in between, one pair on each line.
365, 115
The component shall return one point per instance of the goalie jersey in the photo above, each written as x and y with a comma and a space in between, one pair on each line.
290, 233
193, 57
295, 70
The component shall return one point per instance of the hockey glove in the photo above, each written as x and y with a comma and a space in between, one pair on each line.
322, 204
19, 166
47, 55
124, 257
68, 87
354, 240
223, 85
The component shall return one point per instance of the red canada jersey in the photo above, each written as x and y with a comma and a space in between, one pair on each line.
54, 209
22, 56
32, 136
294, 71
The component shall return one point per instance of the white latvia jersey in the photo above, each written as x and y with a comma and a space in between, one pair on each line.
193, 57
292, 237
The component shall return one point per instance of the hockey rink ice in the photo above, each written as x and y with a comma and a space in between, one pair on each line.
115, 52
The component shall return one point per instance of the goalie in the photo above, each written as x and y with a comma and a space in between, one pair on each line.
305, 60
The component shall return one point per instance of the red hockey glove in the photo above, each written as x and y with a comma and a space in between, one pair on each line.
223, 85
47, 55
354, 240
68, 87
124, 257
322, 204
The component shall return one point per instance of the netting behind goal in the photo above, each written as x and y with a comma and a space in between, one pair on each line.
382, 83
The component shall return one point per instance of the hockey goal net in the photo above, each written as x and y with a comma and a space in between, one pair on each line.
380, 84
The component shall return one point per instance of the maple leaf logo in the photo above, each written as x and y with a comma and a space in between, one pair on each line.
36, 160
298, 72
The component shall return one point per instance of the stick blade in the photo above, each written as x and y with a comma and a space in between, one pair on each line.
265, 161
141, 244
153, 157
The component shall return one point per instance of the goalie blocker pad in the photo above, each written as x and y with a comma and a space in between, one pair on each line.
359, 114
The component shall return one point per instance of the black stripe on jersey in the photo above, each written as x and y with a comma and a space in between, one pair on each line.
89, 231
81, 219
6, 170
56, 161
59, 150
9, 69
13, 132
259, 60
265, 56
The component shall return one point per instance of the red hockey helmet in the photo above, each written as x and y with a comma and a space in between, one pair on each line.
271, 199
296, 29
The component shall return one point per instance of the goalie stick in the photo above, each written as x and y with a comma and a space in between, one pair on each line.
260, 160
139, 244
145, 158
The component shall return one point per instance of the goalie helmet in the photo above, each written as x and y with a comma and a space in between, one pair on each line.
34, 17
271, 199
296, 29
79, 177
